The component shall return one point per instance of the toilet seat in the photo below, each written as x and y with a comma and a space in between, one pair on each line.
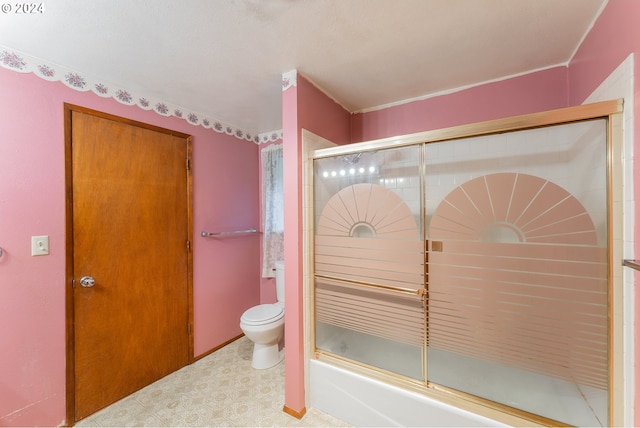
262, 314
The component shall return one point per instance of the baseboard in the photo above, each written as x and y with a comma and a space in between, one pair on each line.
291, 412
211, 351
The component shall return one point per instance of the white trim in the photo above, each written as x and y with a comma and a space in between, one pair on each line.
587, 31
454, 90
290, 78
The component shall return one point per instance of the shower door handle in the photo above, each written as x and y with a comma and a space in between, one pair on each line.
87, 281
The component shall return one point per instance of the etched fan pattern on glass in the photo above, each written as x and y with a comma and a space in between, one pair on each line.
370, 209
515, 207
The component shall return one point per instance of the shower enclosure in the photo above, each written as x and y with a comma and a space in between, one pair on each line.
473, 265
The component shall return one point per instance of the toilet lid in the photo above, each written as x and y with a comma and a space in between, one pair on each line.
262, 314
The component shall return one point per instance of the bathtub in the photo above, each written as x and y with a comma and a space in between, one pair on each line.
363, 401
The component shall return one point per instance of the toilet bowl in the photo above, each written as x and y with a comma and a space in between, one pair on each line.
264, 326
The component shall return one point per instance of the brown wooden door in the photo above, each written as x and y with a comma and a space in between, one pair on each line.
131, 225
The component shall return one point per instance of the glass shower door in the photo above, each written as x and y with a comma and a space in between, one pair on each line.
517, 269
369, 259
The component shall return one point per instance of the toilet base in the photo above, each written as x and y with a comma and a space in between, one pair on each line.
266, 356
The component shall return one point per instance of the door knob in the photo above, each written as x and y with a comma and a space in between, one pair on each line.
87, 281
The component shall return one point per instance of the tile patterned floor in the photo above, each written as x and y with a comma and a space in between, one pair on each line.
219, 390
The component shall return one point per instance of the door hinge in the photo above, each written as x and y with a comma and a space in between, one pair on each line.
73, 283
188, 245
188, 164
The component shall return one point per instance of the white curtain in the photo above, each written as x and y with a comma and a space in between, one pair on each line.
272, 209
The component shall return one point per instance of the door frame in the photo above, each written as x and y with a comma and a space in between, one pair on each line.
69, 240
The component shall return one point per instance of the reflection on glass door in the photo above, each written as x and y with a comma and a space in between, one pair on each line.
517, 272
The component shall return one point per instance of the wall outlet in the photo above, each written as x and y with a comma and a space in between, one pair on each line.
40, 245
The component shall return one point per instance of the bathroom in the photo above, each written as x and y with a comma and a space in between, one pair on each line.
34, 300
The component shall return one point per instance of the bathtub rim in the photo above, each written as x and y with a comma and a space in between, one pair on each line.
458, 399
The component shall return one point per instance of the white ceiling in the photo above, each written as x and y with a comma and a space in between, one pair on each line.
225, 58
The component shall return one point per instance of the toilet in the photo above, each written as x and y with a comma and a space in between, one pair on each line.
264, 325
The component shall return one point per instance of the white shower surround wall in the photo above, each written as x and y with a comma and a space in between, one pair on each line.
363, 401
620, 85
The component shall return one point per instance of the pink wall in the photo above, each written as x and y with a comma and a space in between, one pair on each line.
303, 107
544, 90
615, 35
32, 202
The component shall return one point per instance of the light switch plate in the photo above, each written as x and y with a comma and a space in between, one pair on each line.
40, 245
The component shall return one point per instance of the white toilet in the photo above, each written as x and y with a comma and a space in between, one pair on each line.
264, 325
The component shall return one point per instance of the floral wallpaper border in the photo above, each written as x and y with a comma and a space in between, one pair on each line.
24, 63
289, 79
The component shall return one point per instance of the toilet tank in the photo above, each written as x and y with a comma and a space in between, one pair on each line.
280, 281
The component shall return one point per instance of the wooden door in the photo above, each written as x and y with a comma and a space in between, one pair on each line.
129, 188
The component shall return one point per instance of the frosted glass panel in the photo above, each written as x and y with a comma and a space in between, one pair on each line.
369, 259
378, 327
517, 269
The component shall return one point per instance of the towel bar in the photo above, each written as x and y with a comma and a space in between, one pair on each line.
633, 264
235, 232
